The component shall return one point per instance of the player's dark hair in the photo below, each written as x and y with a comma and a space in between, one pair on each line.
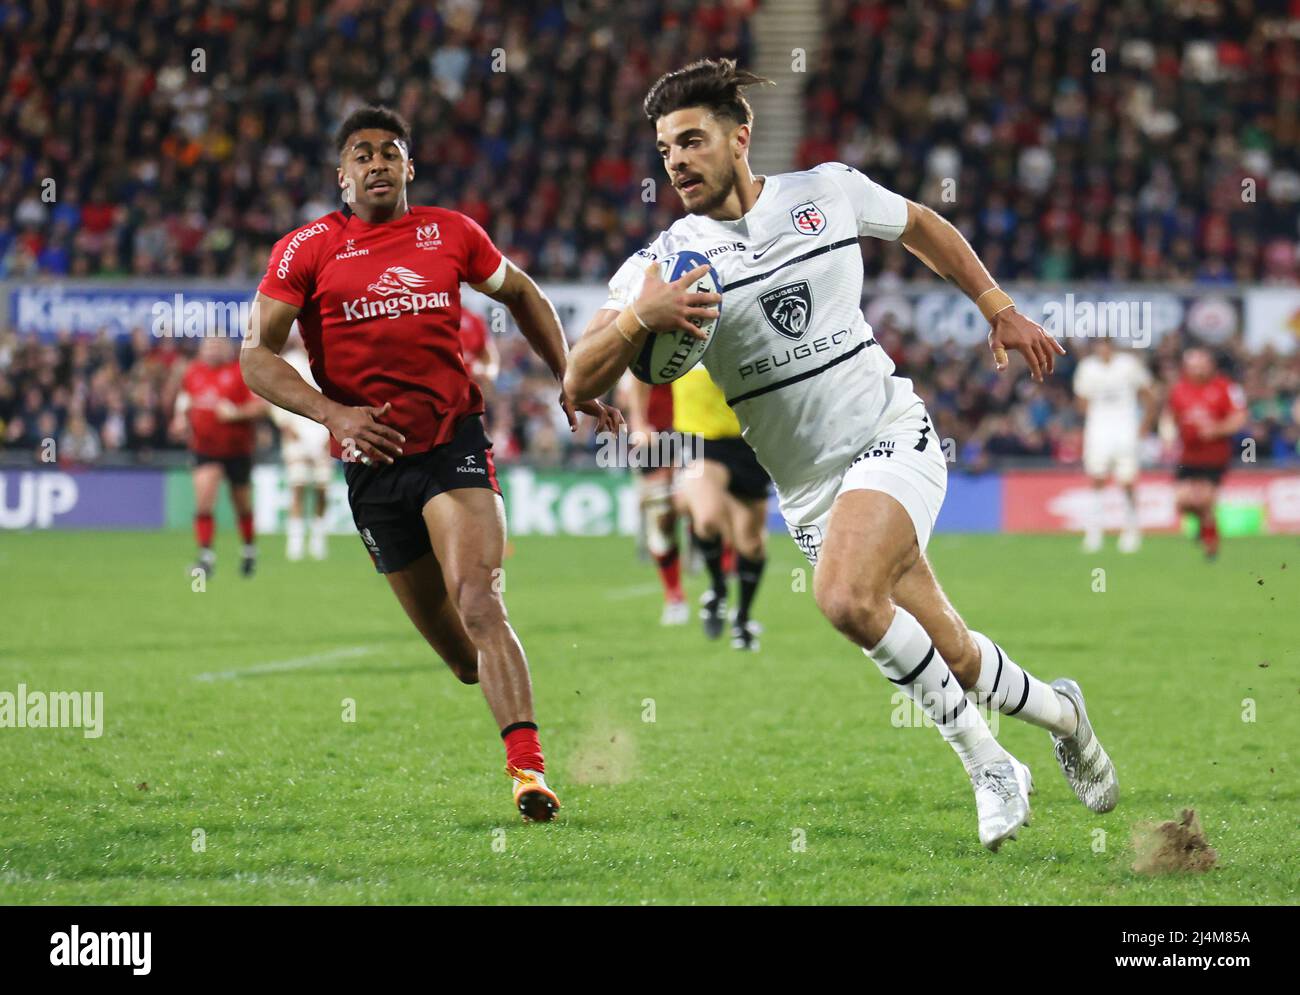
372, 117
712, 83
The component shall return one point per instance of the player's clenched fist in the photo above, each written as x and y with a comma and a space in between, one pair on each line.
362, 435
668, 307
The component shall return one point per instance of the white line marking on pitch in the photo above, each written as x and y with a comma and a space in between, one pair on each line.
297, 663
636, 591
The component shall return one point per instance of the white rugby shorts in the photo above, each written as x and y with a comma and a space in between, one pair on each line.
904, 459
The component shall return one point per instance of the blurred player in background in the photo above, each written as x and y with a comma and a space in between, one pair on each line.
1208, 409
481, 357
650, 420
308, 468
217, 411
725, 491
1113, 390
375, 289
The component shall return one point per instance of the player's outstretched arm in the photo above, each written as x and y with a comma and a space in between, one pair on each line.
941, 247
269, 376
613, 338
1230, 424
537, 320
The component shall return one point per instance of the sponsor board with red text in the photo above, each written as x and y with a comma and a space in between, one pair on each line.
1059, 501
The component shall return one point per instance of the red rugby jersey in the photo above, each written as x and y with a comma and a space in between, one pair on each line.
659, 409
473, 336
206, 387
381, 313
1194, 404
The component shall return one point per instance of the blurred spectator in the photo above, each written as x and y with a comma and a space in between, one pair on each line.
1178, 162
105, 399
162, 167
79, 444
1175, 159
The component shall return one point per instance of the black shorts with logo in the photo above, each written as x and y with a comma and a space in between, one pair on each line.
238, 469
748, 480
1214, 474
663, 450
387, 501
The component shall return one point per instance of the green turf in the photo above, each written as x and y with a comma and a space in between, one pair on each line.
746, 756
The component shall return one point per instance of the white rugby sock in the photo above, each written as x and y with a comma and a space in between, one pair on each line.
1010, 689
1130, 513
1095, 516
907, 656
295, 531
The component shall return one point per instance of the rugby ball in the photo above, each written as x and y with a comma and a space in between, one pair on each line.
666, 356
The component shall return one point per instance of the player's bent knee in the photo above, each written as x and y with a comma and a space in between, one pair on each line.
481, 609
856, 611
464, 667
708, 526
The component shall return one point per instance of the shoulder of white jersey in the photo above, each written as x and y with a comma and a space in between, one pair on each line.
625, 284
839, 175
1082, 372
1138, 366
881, 212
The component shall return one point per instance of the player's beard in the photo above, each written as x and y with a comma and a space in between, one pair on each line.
719, 196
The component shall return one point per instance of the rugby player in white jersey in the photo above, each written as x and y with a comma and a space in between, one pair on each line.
308, 467
1113, 388
850, 447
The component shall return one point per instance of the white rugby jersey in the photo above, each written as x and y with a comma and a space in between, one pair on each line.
792, 352
310, 434
1111, 390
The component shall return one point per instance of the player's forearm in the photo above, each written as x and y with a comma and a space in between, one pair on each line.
1230, 426
942, 247
600, 357
540, 324
1150, 411
249, 411
269, 376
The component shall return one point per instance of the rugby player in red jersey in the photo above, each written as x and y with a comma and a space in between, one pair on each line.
650, 417
376, 293
476, 346
1209, 409
218, 409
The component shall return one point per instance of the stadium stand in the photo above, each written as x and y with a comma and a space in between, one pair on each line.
1131, 173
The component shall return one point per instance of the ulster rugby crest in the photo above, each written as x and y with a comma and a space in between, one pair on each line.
428, 237
788, 309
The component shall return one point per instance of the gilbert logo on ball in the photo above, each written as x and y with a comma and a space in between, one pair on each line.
666, 356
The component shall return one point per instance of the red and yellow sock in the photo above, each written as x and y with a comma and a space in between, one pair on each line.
523, 748
203, 530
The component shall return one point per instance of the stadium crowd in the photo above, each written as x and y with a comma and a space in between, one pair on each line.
110, 399
181, 146
184, 138
1166, 148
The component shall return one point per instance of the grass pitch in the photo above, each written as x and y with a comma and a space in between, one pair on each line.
689, 773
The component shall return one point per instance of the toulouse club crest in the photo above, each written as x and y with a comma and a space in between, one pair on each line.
808, 219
